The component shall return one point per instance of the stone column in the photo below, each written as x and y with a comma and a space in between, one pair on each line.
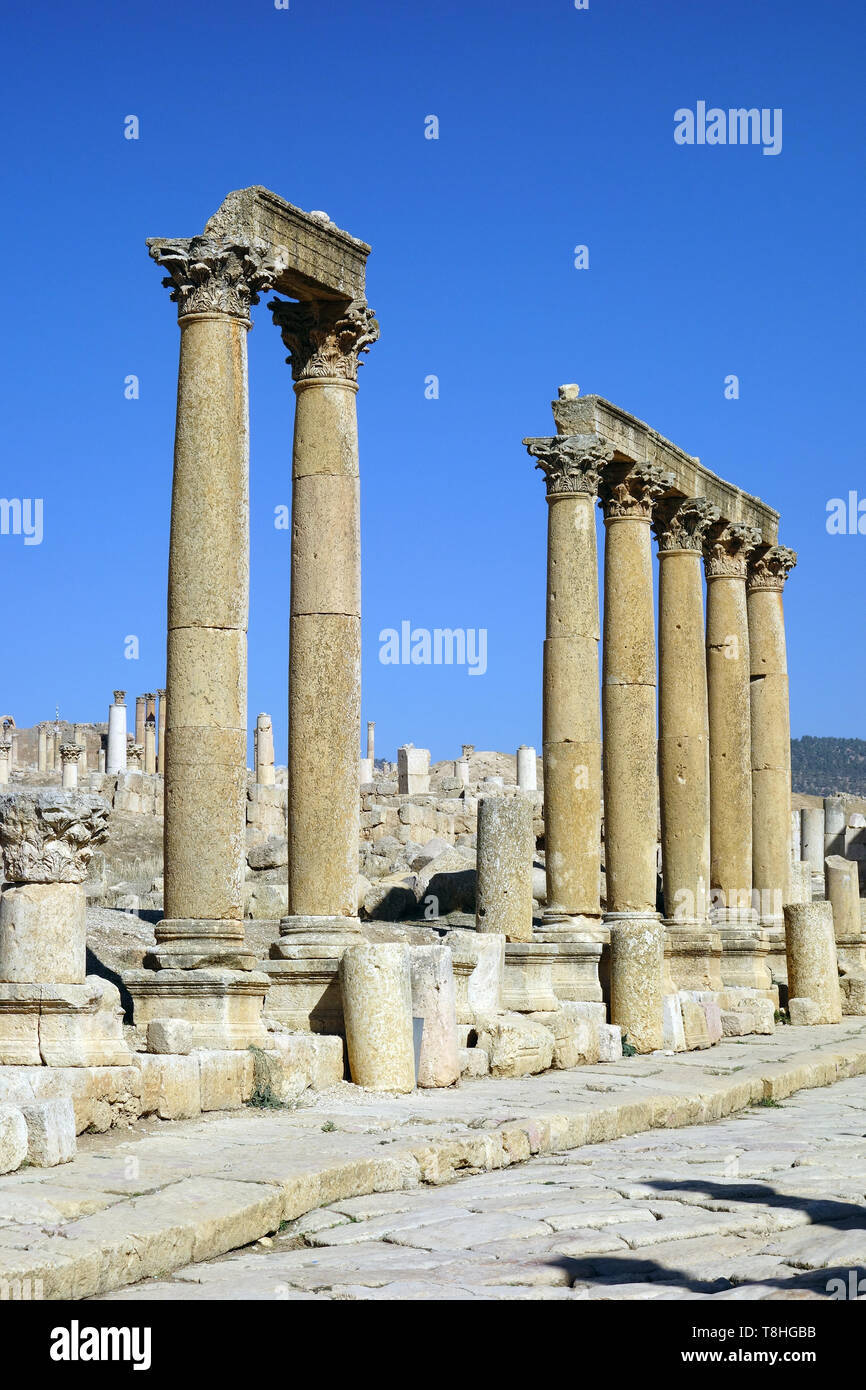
813, 972
214, 281
506, 845
264, 751
843, 894
42, 755
58, 739
744, 946
150, 744
100, 760
770, 738
527, 769
812, 849
140, 712
5, 761
629, 493
835, 825
79, 736
681, 526
371, 739
69, 755
160, 743
571, 750
115, 756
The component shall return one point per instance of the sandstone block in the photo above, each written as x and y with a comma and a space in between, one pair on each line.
853, 988
575, 1040
172, 1035
695, 1027
171, 1086
13, 1138
50, 1131
804, 1013
515, 1045
609, 1042
474, 1061
434, 1000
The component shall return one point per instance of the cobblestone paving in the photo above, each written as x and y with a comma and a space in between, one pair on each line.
769, 1204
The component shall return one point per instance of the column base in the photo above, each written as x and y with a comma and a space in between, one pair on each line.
62, 1025
579, 942
745, 948
190, 943
693, 954
304, 991
528, 982
331, 934
223, 1006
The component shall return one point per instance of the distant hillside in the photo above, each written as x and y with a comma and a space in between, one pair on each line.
821, 766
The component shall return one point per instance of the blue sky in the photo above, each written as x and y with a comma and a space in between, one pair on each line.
556, 129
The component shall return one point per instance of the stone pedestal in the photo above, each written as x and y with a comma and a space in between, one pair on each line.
572, 466
579, 945
413, 770
506, 845
528, 980
50, 1012
222, 1007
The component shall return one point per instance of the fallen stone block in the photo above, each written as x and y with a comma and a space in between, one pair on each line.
474, 1061
13, 1138
695, 1029
610, 1042
515, 1045
853, 989
50, 1131
672, 1023
575, 1041
804, 1012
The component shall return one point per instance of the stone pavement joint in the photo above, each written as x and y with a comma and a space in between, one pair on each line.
142, 1207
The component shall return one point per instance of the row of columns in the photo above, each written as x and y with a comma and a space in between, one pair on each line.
214, 281
720, 769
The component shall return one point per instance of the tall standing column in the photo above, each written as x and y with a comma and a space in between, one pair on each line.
42, 749
371, 739
5, 760
140, 715
324, 340
214, 281
628, 494
115, 755
150, 744
571, 750
770, 737
744, 946
160, 742
681, 526
264, 751
58, 739
79, 736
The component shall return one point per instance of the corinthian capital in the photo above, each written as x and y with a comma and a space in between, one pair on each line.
633, 493
770, 569
682, 523
325, 337
49, 836
570, 462
214, 275
727, 551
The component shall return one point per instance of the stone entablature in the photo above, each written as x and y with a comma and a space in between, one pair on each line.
635, 441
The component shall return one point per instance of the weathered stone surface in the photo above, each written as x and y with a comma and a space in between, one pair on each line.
377, 1007
433, 999
506, 845
50, 1131
515, 1045
812, 965
49, 836
43, 933
171, 1035
13, 1137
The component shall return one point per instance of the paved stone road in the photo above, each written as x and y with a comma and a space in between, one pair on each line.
767, 1204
